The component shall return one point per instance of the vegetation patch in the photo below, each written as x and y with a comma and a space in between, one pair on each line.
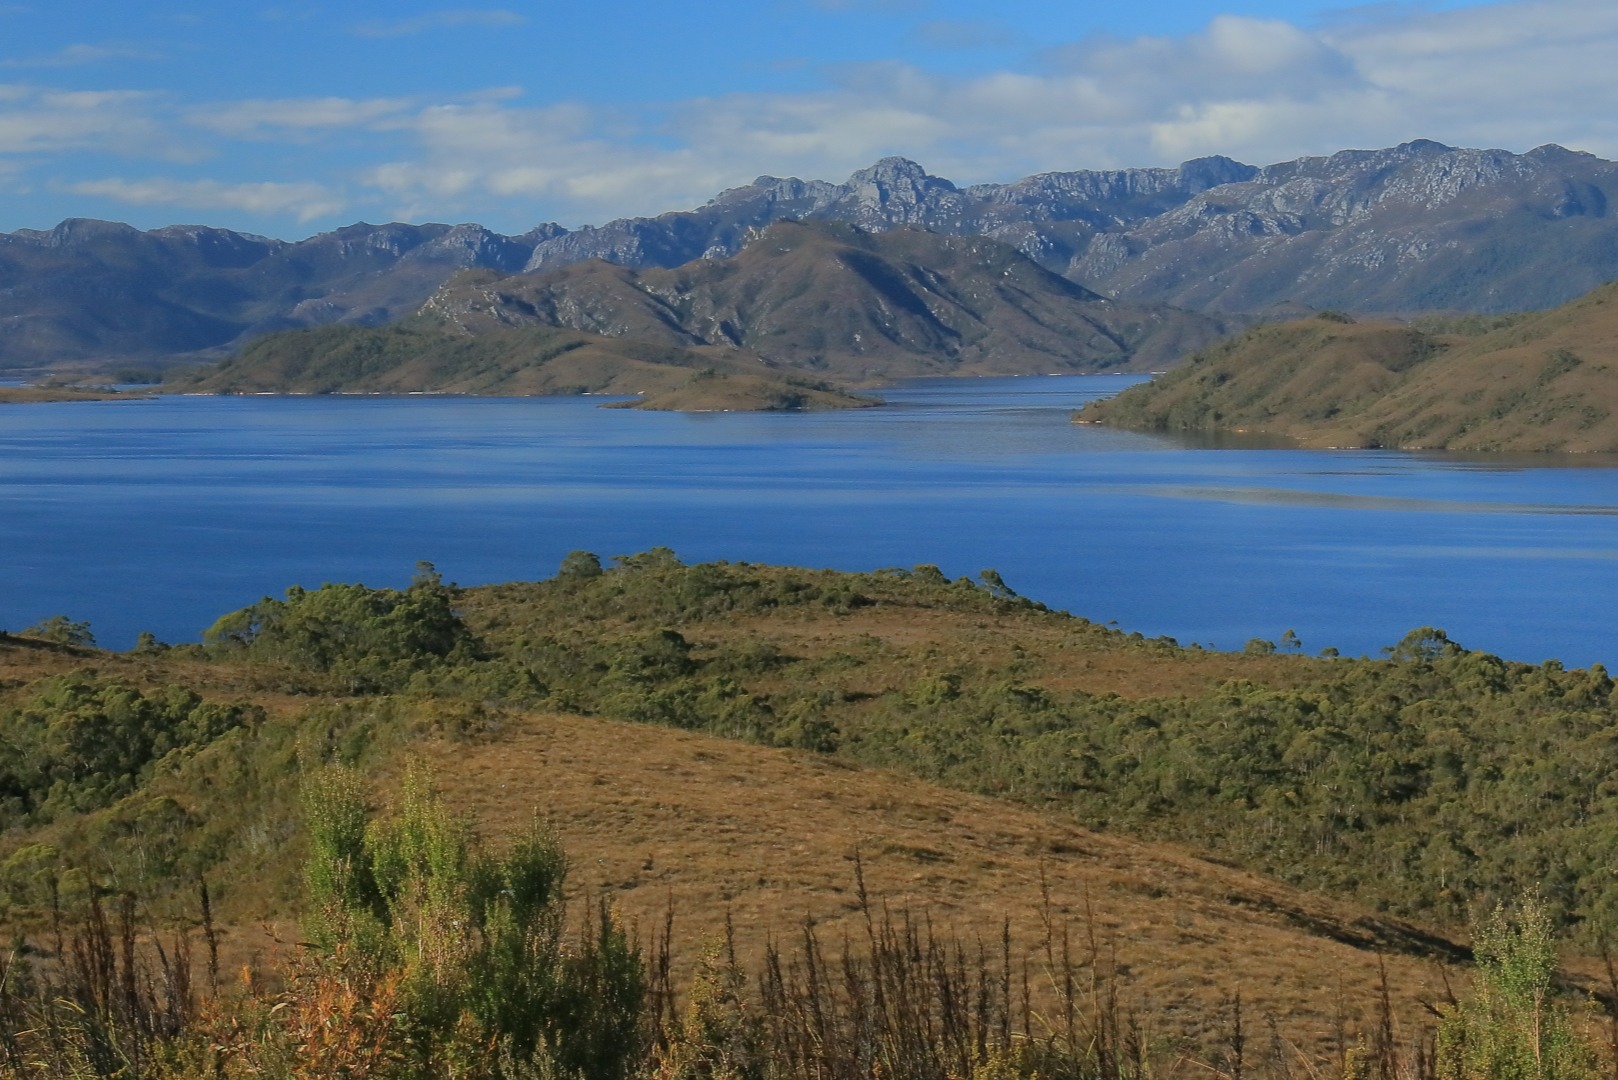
1531, 382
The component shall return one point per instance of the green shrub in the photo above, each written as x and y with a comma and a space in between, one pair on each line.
83, 742
62, 630
474, 941
1510, 1026
370, 638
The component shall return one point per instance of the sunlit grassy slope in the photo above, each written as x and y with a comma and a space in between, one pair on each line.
727, 738
1546, 381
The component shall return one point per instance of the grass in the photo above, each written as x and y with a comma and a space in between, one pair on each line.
758, 749
765, 838
1541, 381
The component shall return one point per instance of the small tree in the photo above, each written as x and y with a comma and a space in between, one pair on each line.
1509, 1027
719, 1037
580, 566
473, 941
373, 638
62, 630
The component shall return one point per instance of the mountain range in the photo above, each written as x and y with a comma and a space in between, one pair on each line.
800, 304
1416, 227
833, 299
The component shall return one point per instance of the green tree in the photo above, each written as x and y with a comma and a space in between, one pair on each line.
62, 630
1510, 1027
580, 566
373, 638
82, 742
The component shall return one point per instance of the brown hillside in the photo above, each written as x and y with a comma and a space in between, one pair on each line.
1549, 382
654, 817
1545, 382
1059, 740
658, 817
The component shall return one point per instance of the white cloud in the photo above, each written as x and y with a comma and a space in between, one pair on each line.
36, 121
81, 55
296, 117
442, 20
1510, 74
304, 201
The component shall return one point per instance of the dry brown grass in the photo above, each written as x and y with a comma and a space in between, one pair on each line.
1545, 382
656, 817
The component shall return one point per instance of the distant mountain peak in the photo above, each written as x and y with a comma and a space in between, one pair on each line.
1421, 225
1424, 146
895, 170
89, 230
1200, 174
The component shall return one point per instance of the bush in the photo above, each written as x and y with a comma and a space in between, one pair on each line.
83, 742
474, 942
62, 630
371, 638
1510, 1027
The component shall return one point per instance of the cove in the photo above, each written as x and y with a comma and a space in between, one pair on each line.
162, 514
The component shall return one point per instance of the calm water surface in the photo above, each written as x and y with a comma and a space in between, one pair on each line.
163, 514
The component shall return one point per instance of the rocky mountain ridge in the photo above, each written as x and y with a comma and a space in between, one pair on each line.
1420, 226
898, 193
834, 299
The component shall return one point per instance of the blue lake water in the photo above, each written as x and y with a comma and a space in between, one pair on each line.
163, 514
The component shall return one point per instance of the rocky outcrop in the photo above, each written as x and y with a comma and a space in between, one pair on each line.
1417, 227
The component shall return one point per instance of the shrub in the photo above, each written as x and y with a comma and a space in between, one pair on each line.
371, 638
83, 742
474, 941
62, 630
1510, 1027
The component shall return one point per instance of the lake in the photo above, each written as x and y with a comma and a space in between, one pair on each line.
163, 514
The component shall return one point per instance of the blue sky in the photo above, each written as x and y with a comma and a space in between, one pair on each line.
291, 118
